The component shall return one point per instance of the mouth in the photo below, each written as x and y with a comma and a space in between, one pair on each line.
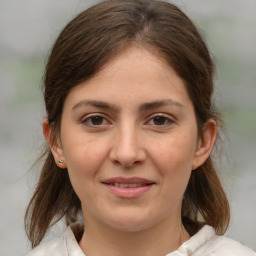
128, 187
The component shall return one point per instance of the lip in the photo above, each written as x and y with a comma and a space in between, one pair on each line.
145, 185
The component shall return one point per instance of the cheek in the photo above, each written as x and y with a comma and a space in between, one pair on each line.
173, 159
83, 157
174, 154
84, 161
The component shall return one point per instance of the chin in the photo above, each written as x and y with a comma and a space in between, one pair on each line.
130, 227
131, 222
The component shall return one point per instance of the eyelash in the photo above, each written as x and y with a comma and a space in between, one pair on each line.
103, 121
89, 119
167, 120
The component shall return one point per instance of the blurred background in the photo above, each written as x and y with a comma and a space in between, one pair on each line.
27, 31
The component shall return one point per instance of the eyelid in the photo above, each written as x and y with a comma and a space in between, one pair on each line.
88, 116
170, 118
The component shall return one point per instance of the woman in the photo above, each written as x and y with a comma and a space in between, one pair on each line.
130, 128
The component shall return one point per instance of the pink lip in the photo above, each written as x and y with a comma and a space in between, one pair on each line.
128, 192
128, 180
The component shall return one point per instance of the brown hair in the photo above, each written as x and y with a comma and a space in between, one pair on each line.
81, 49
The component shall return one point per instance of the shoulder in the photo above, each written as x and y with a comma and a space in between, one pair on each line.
66, 245
226, 246
56, 247
223, 246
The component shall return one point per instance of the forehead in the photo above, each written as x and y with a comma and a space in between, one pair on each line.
135, 74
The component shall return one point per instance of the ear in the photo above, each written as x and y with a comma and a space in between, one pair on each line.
54, 144
205, 143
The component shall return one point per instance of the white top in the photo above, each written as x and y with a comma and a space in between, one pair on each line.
203, 243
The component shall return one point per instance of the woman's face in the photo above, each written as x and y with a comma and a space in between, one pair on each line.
129, 140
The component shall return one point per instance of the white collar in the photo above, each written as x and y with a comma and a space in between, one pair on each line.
186, 249
195, 242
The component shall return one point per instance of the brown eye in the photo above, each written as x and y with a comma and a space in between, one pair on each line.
97, 120
159, 120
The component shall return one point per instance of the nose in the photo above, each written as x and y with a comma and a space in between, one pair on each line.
127, 149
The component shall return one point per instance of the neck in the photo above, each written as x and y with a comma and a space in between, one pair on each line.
160, 239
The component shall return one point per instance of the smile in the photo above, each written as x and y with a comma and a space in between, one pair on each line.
124, 185
128, 187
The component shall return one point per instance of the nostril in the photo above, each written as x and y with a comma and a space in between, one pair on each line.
126, 164
126, 152
116, 162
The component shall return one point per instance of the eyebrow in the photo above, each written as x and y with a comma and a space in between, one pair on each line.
160, 103
94, 103
142, 107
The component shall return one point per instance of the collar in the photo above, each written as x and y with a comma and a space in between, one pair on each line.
73, 234
195, 242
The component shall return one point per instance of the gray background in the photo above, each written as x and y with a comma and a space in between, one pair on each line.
27, 30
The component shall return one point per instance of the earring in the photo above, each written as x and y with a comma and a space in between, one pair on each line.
61, 161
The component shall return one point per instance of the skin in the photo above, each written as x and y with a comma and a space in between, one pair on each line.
131, 136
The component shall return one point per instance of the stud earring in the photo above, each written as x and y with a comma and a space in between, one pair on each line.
61, 161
